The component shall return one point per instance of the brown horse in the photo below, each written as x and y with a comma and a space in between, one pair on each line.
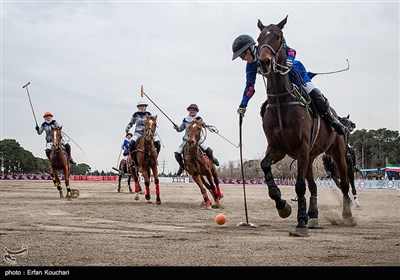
59, 162
292, 130
198, 165
330, 166
146, 157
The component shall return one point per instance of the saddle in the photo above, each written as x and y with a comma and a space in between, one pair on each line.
304, 99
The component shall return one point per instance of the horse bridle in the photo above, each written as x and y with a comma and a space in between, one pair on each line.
275, 64
56, 143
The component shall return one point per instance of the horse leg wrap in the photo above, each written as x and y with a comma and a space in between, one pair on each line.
219, 191
157, 189
147, 188
69, 192
313, 209
206, 199
302, 217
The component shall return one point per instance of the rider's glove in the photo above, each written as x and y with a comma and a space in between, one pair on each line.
176, 127
241, 110
37, 128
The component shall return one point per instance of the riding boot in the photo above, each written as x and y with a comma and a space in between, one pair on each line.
263, 108
179, 159
132, 152
48, 151
209, 153
322, 105
157, 144
68, 150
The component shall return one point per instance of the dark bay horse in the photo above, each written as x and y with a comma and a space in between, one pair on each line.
291, 130
199, 165
123, 169
330, 166
59, 162
147, 158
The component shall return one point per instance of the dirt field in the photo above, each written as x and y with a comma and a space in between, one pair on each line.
106, 228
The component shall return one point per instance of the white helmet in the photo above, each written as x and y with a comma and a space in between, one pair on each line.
141, 102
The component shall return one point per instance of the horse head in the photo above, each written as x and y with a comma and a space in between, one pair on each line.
56, 136
350, 126
194, 131
270, 47
150, 127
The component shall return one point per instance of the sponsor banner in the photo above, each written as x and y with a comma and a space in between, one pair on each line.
363, 184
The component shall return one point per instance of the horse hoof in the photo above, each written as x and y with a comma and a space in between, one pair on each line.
61, 195
136, 196
147, 197
130, 190
119, 189
215, 206
158, 201
285, 211
299, 232
313, 223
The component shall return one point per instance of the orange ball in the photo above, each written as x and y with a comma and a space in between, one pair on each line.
220, 219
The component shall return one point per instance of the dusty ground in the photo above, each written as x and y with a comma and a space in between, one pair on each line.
106, 228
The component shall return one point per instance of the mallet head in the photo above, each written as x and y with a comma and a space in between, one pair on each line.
141, 91
27, 84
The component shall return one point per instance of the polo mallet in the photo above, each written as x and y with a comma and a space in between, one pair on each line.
143, 93
245, 224
331, 72
213, 129
116, 169
30, 102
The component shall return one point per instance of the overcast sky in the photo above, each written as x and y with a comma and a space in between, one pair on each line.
86, 62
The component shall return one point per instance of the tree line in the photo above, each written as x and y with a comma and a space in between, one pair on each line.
374, 148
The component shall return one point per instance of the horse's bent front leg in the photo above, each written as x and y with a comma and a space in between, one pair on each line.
212, 188
216, 182
197, 179
56, 182
284, 209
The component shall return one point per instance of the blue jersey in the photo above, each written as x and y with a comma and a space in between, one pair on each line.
251, 74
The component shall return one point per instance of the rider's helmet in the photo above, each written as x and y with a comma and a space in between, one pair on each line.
241, 44
47, 114
141, 102
129, 134
193, 106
